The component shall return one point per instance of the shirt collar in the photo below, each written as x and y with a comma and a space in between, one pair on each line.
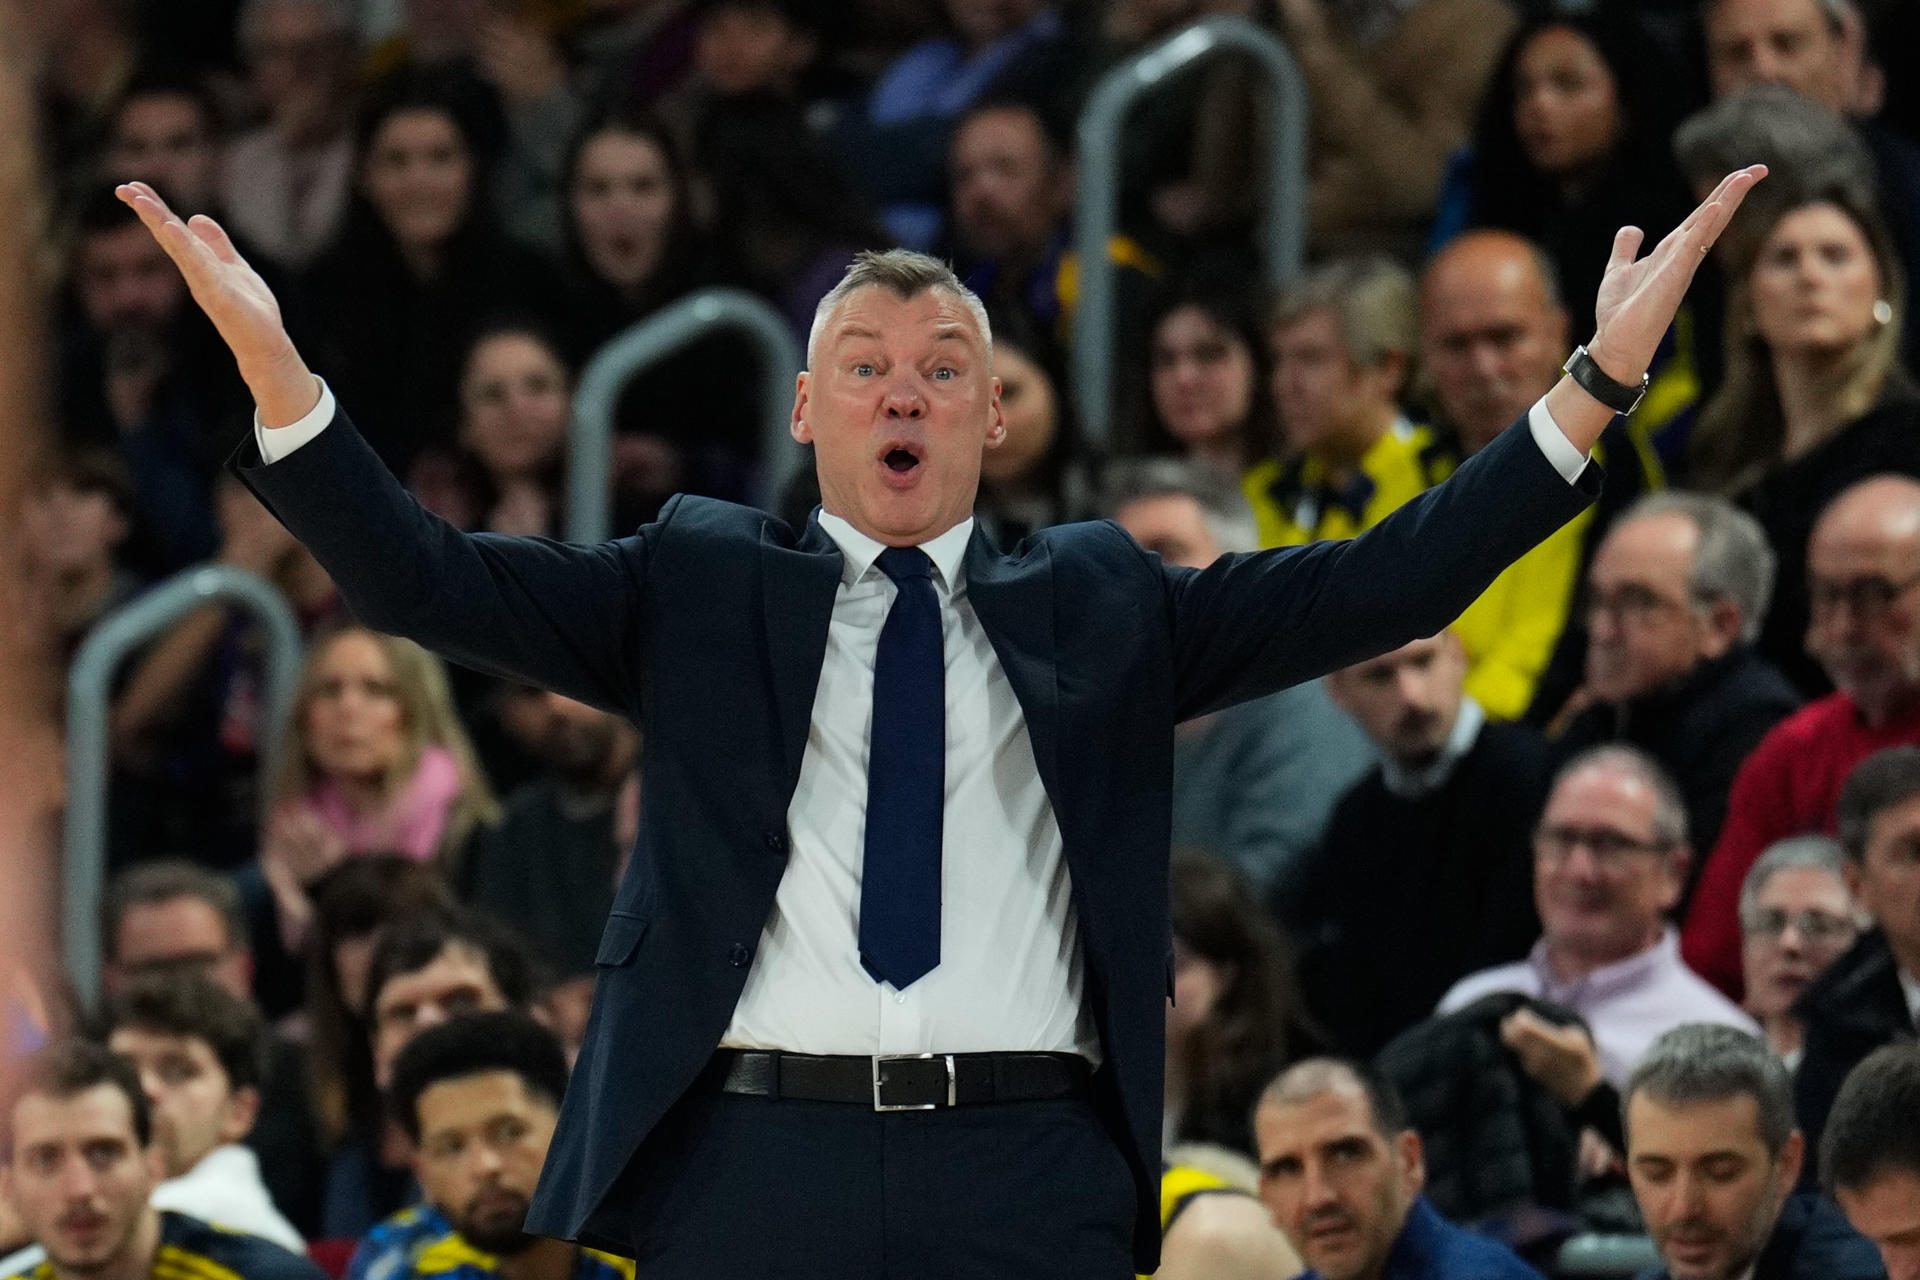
1609, 979
1910, 988
1415, 784
858, 552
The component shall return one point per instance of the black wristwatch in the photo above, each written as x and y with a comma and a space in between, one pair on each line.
1617, 396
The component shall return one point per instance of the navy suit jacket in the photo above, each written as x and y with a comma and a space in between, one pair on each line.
708, 628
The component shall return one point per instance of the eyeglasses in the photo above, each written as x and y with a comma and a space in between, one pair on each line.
1609, 848
1813, 924
1632, 603
1868, 597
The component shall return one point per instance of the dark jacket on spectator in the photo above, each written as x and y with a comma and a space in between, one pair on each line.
1811, 1241
1431, 1248
1850, 1010
1494, 1139
1700, 729
1409, 895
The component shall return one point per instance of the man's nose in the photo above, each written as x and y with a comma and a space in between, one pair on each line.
1317, 1188
903, 397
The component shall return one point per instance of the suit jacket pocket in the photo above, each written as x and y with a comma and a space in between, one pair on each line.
621, 938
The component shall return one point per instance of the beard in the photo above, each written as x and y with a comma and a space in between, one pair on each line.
497, 1232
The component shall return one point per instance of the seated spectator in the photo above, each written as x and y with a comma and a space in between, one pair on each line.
1210, 1229
1436, 835
1869, 996
990, 48
168, 918
1342, 1172
285, 183
547, 869
425, 970
1254, 783
1572, 144
783, 48
1035, 478
1493, 335
631, 248
1713, 1155
1610, 858
1010, 185
73, 523
419, 265
1863, 562
1234, 1015
375, 759
1674, 600
1797, 916
80, 1169
479, 1097
1814, 398
165, 131
1392, 92
504, 473
201, 1052
1208, 371
1871, 1155
1342, 340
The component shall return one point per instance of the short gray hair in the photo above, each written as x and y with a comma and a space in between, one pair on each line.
1223, 506
1798, 140
1733, 561
1372, 298
1669, 807
1817, 853
1709, 1062
906, 274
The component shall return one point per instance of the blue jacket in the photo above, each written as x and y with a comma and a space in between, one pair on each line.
708, 628
1431, 1248
1811, 1241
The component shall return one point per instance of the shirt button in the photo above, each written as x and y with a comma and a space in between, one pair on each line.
775, 841
738, 955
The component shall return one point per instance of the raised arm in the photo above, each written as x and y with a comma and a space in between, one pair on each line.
544, 613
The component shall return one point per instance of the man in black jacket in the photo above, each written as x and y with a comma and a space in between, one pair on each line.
1675, 597
1713, 1153
1868, 997
1439, 832
1871, 1154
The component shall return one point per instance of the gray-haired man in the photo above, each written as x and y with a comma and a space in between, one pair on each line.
1675, 597
1713, 1153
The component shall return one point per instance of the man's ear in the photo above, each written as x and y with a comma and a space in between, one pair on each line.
1678, 863
798, 426
1724, 621
1791, 1157
1412, 1156
156, 1163
243, 1111
997, 427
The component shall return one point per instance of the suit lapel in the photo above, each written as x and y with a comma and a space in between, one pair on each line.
1013, 598
797, 591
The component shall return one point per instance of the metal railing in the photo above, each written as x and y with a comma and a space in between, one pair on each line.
1595, 1255
1097, 203
89, 686
589, 456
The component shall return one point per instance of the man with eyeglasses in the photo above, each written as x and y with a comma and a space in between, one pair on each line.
1797, 916
1863, 565
1871, 995
1674, 601
1609, 858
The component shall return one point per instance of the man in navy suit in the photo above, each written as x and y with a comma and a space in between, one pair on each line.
882, 992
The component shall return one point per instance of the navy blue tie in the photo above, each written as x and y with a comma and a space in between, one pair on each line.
906, 781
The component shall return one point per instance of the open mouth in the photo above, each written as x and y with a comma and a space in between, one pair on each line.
899, 461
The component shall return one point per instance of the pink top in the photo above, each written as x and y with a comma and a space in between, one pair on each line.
411, 824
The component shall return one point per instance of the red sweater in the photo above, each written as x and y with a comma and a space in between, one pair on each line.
1789, 786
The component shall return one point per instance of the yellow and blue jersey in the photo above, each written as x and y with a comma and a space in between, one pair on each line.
194, 1250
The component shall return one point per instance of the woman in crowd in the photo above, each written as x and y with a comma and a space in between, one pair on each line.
1814, 397
1236, 1017
374, 760
1572, 145
419, 264
504, 473
1207, 376
1032, 479
1797, 916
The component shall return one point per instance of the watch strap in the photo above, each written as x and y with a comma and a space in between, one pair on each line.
1620, 397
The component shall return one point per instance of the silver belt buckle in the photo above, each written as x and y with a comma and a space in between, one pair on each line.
880, 1058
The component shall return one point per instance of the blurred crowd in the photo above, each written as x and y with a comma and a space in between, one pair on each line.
1646, 815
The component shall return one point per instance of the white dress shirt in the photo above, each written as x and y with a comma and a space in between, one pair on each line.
1011, 972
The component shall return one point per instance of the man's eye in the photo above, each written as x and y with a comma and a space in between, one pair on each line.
863, 370
945, 374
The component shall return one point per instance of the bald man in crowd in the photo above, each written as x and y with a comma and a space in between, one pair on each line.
1493, 332
1863, 565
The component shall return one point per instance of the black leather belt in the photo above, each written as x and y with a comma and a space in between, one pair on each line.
902, 1082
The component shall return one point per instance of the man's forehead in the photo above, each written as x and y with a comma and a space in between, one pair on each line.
478, 1098
875, 313
459, 963
1747, 17
1696, 1129
101, 1111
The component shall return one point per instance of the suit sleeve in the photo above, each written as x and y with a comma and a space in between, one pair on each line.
545, 613
1250, 624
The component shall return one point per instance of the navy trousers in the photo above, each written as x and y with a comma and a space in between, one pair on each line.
733, 1186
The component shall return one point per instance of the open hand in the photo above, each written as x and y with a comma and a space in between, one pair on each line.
1562, 1059
238, 302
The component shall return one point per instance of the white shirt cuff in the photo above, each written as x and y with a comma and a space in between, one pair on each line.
276, 443
1560, 451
